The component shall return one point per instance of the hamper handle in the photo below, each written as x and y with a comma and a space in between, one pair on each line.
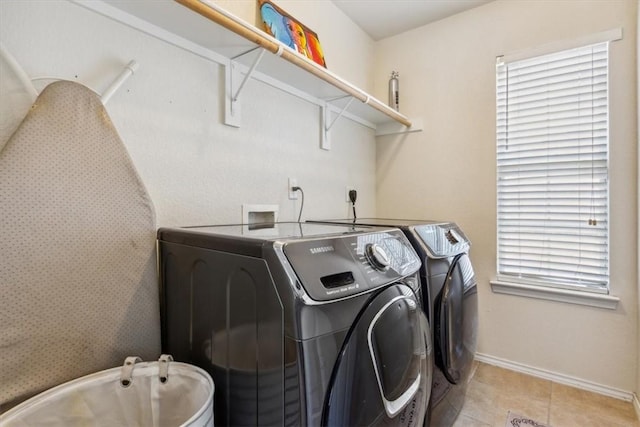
127, 370
163, 367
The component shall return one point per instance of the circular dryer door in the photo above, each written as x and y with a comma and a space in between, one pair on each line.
383, 373
457, 321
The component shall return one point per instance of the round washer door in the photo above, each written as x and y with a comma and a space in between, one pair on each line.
383, 373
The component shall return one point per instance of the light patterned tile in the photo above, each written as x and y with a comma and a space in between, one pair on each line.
572, 406
561, 416
474, 368
491, 404
479, 402
511, 382
536, 409
493, 392
466, 421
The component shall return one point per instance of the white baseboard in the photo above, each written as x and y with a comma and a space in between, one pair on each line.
636, 405
561, 379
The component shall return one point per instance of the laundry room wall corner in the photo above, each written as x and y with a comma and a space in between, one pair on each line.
448, 172
637, 390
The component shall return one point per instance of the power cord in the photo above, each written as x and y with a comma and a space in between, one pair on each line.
301, 202
353, 195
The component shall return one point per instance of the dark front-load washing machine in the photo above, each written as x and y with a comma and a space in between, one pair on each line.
450, 299
299, 324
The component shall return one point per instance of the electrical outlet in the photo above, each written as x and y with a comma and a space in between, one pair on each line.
346, 194
293, 195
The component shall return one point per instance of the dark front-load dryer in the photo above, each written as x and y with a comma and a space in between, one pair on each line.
299, 324
450, 300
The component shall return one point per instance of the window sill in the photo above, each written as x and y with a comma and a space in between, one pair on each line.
553, 294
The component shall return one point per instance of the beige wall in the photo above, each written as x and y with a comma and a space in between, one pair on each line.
169, 114
637, 401
447, 78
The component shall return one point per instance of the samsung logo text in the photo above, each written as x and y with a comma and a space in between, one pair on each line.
322, 249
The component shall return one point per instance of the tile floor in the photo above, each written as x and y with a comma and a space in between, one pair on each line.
493, 392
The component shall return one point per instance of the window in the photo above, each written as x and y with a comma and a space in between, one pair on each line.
552, 169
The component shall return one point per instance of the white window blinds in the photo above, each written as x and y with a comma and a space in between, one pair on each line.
552, 159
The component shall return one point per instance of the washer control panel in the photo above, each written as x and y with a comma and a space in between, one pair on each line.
338, 267
443, 240
377, 257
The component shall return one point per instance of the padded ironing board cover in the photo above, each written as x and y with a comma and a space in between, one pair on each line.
78, 282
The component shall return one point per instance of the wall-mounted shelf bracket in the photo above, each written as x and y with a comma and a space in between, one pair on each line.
327, 128
180, 23
327, 123
247, 76
232, 116
231, 109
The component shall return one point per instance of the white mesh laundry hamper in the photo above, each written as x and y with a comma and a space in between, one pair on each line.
144, 394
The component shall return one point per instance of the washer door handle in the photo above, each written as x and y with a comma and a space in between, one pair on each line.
391, 407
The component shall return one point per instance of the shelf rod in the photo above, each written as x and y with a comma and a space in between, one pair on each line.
328, 128
215, 13
248, 75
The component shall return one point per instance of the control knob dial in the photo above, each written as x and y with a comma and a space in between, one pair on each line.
377, 257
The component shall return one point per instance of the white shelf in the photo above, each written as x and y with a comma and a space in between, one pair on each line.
229, 37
